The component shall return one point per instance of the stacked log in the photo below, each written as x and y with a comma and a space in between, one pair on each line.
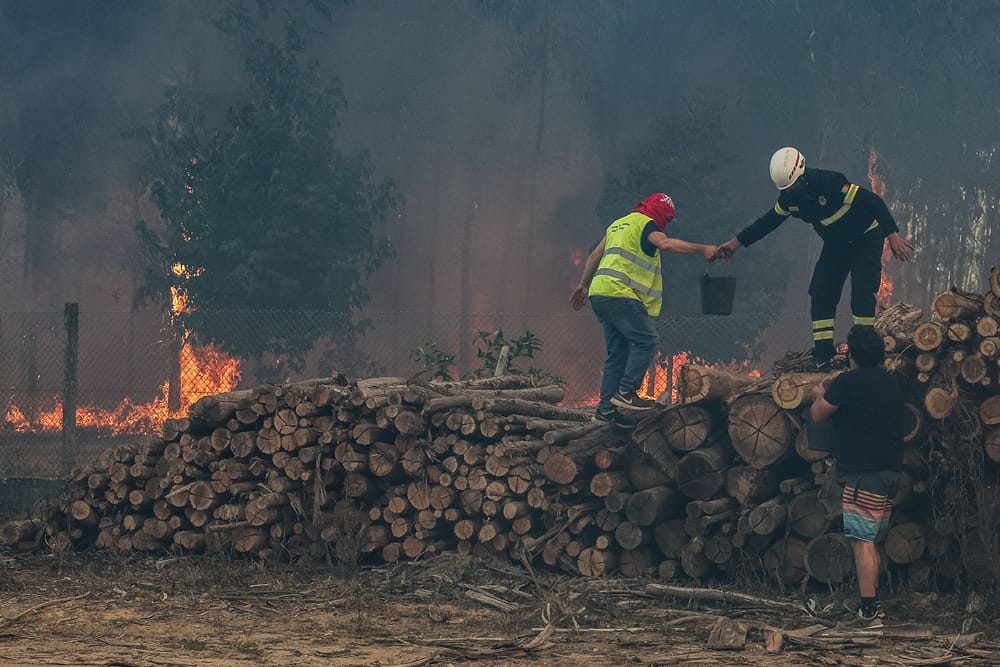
386, 469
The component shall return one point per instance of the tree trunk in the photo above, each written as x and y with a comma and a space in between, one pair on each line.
829, 558
785, 560
952, 305
989, 411
792, 390
670, 537
750, 485
651, 506
760, 431
929, 336
807, 516
701, 383
702, 473
768, 517
686, 427
905, 543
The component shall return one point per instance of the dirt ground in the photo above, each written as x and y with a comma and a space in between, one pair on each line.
112, 610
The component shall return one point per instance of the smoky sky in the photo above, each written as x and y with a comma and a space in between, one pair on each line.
500, 127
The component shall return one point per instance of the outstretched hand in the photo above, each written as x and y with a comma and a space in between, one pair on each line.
900, 247
726, 250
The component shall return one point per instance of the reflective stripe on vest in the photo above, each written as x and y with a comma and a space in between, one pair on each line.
842, 211
625, 270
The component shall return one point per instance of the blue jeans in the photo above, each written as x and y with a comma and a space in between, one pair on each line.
631, 341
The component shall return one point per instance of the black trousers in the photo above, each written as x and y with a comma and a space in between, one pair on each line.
862, 259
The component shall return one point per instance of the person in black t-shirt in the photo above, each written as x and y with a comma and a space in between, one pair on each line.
866, 406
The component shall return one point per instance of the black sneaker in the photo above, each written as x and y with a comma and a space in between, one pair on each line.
817, 365
871, 618
613, 417
632, 401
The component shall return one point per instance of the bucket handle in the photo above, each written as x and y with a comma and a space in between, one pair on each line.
727, 272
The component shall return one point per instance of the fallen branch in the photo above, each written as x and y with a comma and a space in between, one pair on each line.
43, 605
721, 596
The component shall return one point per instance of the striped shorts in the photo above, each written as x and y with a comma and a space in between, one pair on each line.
867, 501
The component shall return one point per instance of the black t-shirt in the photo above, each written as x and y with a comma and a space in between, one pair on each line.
868, 424
647, 245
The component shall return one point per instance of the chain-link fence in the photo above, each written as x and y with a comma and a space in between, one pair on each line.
125, 373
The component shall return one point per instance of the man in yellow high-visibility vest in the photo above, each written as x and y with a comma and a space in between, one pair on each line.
623, 279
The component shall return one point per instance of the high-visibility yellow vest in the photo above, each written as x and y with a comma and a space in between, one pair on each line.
625, 270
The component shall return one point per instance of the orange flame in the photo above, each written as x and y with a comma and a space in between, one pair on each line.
203, 371
658, 381
884, 295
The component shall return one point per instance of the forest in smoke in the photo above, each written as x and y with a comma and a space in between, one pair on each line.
510, 131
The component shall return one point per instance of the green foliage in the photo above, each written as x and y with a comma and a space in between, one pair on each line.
683, 158
437, 363
262, 209
489, 346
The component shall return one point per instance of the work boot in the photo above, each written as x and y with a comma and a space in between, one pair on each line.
629, 400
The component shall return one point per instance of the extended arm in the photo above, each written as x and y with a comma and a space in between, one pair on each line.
668, 244
754, 232
579, 296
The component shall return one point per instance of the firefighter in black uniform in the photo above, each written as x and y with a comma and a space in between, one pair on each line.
851, 220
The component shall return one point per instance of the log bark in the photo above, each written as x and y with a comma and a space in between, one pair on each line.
13, 532
693, 560
652, 506
670, 537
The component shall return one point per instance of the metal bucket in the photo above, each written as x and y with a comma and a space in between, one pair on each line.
717, 293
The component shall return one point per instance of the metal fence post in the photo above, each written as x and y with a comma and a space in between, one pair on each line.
71, 314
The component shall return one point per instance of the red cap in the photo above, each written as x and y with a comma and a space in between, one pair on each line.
659, 207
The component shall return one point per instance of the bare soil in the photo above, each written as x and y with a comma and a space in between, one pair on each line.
112, 610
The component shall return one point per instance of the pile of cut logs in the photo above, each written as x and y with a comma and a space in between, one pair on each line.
721, 483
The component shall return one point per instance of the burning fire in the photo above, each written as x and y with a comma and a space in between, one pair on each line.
203, 371
877, 181
664, 376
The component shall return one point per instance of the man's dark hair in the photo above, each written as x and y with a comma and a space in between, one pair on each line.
865, 346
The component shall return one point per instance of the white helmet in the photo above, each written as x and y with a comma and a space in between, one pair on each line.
787, 164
